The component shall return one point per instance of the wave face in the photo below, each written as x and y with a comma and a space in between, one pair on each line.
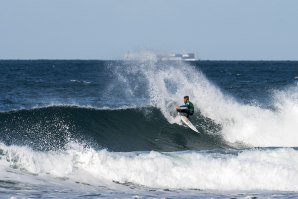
141, 129
220, 115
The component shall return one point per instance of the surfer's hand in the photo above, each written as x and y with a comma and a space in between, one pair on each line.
177, 107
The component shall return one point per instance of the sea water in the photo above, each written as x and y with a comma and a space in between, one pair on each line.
93, 129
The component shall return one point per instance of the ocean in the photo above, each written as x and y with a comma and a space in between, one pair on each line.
109, 129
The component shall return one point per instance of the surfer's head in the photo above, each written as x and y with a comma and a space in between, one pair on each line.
186, 99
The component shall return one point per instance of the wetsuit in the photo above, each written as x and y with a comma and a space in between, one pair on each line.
187, 108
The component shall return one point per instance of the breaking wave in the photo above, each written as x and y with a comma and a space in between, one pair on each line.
274, 169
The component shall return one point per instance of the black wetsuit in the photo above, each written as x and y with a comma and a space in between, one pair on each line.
187, 108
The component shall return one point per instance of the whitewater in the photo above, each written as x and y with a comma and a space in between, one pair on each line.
109, 129
245, 170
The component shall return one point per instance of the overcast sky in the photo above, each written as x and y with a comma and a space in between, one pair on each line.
107, 29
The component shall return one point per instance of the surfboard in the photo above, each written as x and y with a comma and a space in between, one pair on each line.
188, 123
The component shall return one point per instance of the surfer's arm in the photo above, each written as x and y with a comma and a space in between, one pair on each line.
184, 106
181, 107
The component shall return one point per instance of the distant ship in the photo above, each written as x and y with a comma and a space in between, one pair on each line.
178, 57
162, 57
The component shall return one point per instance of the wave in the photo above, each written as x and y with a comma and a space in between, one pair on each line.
160, 85
267, 169
129, 129
250, 123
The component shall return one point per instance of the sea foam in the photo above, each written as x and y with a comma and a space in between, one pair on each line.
274, 169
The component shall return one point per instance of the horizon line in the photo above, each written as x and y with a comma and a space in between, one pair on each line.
252, 60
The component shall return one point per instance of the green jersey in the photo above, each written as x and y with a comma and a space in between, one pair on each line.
188, 105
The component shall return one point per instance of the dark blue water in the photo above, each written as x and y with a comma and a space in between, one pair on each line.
251, 80
86, 116
25, 84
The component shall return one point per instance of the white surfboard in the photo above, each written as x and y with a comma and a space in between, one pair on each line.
188, 123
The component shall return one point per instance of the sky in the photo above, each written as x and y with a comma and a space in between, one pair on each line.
107, 29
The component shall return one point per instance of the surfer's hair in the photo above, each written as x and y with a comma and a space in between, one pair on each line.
186, 97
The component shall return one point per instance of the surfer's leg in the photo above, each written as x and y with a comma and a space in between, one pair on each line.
184, 111
189, 112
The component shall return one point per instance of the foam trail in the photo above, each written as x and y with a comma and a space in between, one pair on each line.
275, 169
168, 82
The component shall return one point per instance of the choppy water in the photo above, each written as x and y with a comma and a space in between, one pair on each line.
109, 129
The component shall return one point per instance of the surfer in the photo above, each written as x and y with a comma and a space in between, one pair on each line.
187, 108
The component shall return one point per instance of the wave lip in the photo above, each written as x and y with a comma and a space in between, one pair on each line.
270, 169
